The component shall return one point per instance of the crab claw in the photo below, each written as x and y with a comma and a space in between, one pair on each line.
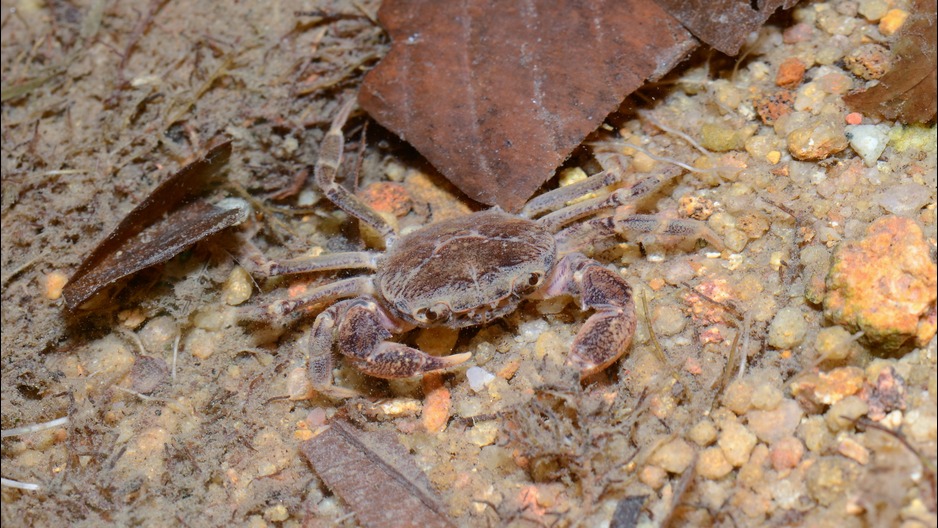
607, 333
394, 360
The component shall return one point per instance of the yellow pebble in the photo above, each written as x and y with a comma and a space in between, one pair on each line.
131, 318
893, 20
773, 157
302, 434
55, 281
641, 162
238, 287
571, 175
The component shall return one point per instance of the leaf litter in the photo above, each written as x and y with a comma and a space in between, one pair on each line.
218, 443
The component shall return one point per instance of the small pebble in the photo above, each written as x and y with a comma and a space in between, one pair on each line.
703, 433
790, 73
132, 318
653, 476
668, 320
478, 378
436, 406
736, 442
752, 473
786, 453
722, 137
838, 84
678, 271
830, 387
438, 341
850, 448
800, 32
771, 425
788, 328
105, 362
738, 396
873, 10
843, 414
834, 343
771, 107
147, 374
869, 141
238, 287
674, 456
816, 141
277, 513
766, 396
892, 21
55, 282
830, 478
712, 464
815, 434
904, 199
158, 334
869, 61
387, 197
199, 343
483, 433
696, 207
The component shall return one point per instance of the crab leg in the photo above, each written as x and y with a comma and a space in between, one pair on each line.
352, 287
600, 233
327, 165
607, 333
632, 225
361, 329
327, 262
624, 198
558, 198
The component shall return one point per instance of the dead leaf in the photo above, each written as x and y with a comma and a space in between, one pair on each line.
723, 24
909, 91
375, 476
158, 229
496, 99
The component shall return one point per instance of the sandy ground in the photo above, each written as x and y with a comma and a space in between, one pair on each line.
756, 400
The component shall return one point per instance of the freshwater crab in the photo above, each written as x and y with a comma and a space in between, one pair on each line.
471, 270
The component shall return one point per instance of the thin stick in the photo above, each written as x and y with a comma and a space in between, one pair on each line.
34, 428
175, 354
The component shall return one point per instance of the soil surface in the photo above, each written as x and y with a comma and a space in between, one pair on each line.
785, 379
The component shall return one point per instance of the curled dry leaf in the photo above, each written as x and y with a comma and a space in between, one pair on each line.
169, 220
496, 99
375, 476
909, 91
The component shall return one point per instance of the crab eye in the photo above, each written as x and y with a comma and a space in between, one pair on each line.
437, 312
534, 279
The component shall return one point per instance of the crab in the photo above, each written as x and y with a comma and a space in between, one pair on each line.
471, 270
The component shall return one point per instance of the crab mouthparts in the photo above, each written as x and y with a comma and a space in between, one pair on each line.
487, 313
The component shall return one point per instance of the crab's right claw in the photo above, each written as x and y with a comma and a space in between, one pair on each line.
363, 337
607, 333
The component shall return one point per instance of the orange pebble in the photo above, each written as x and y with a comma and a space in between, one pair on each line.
436, 405
854, 118
790, 73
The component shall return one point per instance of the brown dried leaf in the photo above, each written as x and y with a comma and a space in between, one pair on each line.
496, 99
375, 476
909, 92
164, 224
723, 24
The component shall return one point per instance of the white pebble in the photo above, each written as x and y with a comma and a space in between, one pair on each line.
869, 141
478, 378
904, 199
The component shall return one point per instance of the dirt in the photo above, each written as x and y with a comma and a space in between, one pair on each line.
739, 403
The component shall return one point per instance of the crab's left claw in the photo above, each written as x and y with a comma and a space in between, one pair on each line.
607, 333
